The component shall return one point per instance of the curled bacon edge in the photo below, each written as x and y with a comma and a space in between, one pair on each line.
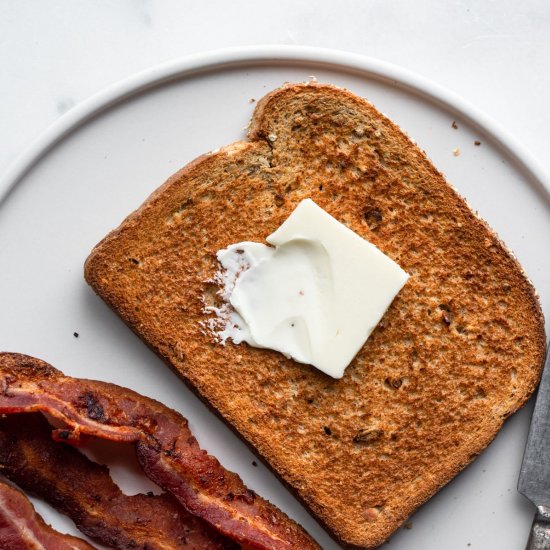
22, 528
167, 451
84, 491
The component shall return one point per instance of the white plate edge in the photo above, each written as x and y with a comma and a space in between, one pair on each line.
209, 60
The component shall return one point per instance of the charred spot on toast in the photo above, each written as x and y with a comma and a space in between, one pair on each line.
393, 383
279, 199
373, 217
368, 436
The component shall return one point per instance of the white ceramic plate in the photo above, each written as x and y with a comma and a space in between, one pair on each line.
103, 158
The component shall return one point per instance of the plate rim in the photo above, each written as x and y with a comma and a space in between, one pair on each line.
188, 66
156, 75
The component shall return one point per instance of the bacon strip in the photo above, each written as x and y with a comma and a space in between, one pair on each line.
166, 449
21, 528
84, 491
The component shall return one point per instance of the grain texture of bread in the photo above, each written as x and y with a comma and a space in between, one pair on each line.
459, 350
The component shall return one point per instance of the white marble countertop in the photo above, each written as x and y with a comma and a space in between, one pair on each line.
56, 53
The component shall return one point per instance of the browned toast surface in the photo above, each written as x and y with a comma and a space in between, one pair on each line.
459, 350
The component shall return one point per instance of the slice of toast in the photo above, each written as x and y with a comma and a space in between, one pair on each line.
459, 350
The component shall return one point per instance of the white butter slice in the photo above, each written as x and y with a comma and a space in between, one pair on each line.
315, 295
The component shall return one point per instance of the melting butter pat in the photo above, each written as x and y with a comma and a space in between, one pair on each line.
315, 295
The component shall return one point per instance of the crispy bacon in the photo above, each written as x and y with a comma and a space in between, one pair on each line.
21, 528
84, 491
166, 449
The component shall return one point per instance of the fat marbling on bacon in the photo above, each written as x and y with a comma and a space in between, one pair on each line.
165, 447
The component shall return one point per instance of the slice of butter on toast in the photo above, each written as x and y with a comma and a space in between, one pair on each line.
459, 350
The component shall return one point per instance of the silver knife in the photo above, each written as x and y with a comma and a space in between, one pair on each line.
534, 477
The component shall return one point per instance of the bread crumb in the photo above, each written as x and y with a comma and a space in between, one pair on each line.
477, 142
408, 525
454, 125
76, 335
254, 463
456, 151
251, 100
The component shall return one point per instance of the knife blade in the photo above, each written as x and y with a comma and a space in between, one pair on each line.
534, 477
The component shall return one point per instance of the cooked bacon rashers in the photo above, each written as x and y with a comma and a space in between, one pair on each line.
84, 491
21, 528
166, 449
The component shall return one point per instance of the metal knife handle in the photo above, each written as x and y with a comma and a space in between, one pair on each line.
540, 531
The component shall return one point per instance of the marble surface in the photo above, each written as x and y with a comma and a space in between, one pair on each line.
56, 53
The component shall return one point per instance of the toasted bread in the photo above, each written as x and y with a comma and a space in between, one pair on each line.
459, 350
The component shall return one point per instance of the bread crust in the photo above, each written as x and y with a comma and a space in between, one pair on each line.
460, 349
